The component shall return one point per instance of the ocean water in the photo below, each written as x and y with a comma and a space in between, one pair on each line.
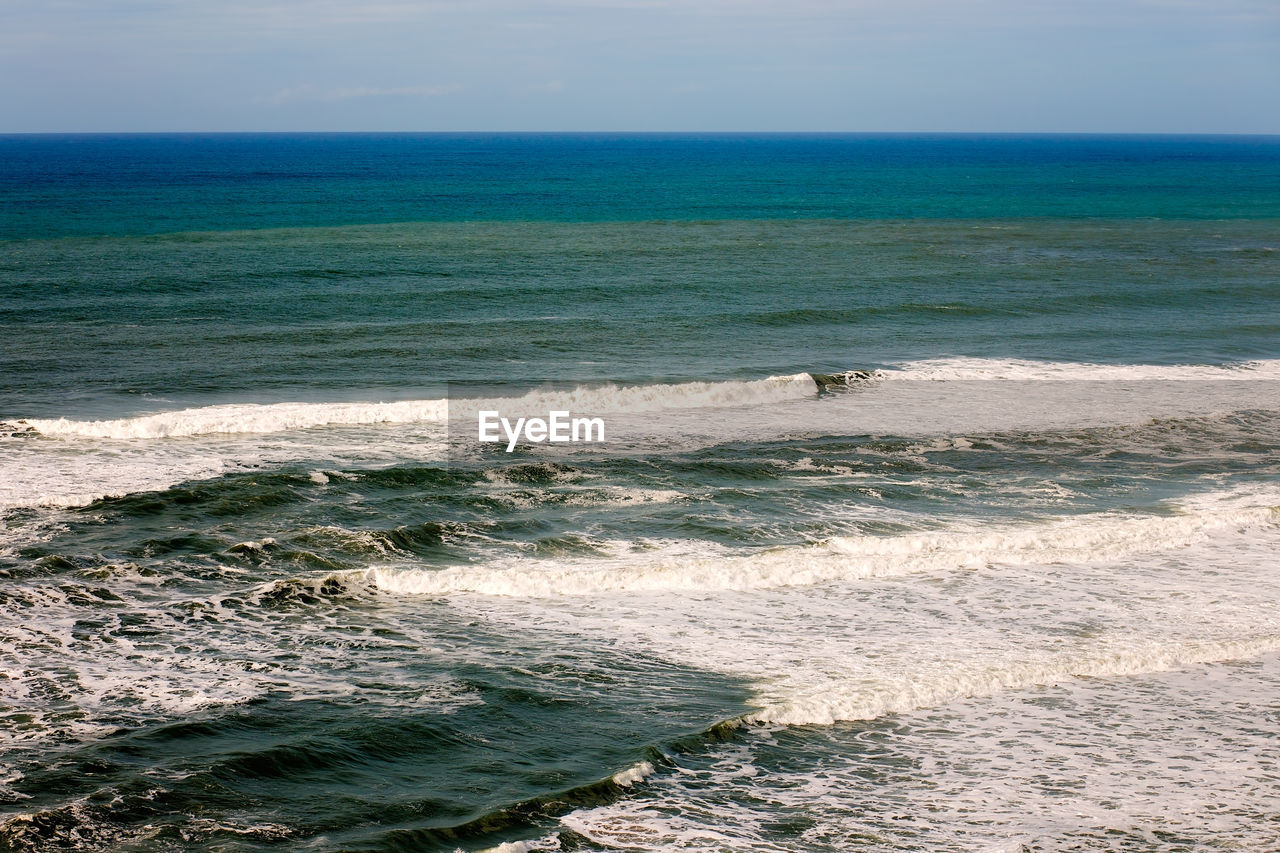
940, 509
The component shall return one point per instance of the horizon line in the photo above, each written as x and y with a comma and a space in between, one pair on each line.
479, 132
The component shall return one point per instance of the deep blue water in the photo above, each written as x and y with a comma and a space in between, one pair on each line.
54, 186
232, 267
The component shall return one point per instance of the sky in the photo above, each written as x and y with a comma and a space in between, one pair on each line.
1091, 66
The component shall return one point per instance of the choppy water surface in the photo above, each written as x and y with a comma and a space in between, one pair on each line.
1009, 586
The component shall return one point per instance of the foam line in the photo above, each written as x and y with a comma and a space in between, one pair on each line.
610, 398
834, 701
1086, 538
282, 417
971, 369
247, 418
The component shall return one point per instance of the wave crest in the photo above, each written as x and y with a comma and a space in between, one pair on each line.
834, 701
1013, 369
247, 418
617, 399
1086, 538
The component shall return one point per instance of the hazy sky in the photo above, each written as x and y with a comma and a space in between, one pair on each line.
771, 65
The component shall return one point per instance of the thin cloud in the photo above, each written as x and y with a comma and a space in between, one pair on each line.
312, 94
548, 88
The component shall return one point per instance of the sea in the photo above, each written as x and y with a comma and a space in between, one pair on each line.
938, 510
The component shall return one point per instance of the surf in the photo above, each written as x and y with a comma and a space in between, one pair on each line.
1090, 537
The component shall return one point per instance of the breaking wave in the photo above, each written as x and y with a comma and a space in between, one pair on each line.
275, 417
829, 702
283, 417
986, 369
1085, 538
616, 399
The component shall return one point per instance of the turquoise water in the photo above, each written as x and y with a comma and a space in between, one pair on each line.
1008, 586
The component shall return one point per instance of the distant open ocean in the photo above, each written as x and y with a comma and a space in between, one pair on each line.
942, 513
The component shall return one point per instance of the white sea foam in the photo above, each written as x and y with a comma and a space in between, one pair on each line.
30, 477
634, 774
197, 653
612, 398
246, 418
829, 701
971, 369
1084, 538
1158, 762
616, 399
551, 842
284, 417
